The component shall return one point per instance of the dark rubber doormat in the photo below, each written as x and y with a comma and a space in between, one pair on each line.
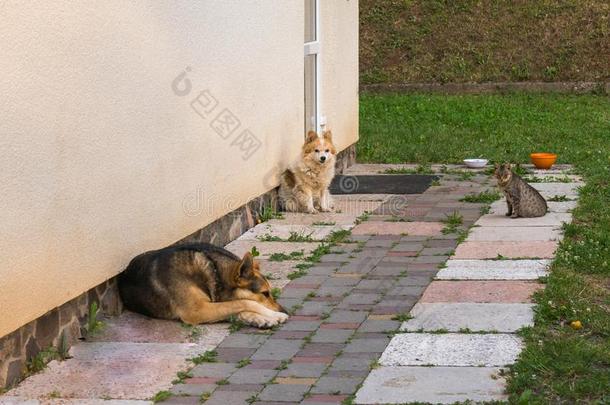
382, 184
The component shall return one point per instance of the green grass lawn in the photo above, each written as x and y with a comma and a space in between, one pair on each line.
559, 364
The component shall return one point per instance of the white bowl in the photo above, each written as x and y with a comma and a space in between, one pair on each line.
475, 163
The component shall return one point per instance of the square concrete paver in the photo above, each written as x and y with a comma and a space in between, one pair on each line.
514, 233
454, 317
286, 230
115, 370
421, 349
511, 250
445, 385
497, 218
398, 228
494, 270
266, 249
549, 190
480, 291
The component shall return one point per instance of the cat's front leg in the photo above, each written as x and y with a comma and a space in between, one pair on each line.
515, 208
510, 208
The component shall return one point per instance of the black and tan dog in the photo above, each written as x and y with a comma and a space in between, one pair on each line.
199, 283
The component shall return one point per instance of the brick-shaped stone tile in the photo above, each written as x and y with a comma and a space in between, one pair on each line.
367, 345
240, 387
229, 397
233, 355
264, 364
371, 325
319, 360
303, 326
320, 349
511, 250
480, 291
252, 376
219, 370
192, 389
419, 349
336, 385
324, 399
342, 316
332, 335
283, 392
277, 349
295, 380
243, 340
305, 370
287, 334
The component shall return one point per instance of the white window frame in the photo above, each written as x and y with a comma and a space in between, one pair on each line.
315, 48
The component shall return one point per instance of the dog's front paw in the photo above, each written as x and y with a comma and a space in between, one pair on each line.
254, 319
281, 317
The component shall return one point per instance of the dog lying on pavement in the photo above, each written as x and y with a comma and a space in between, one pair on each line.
199, 283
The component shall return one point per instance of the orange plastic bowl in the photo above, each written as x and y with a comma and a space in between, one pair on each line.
543, 160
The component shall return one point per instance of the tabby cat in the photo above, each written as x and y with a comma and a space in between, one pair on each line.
522, 199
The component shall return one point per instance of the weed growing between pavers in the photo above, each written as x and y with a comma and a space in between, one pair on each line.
268, 213
181, 376
94, 325
161, 396
243, 363
452, 222
420, 169
559, 198
558, 364
280, 257
483, 197
209, 356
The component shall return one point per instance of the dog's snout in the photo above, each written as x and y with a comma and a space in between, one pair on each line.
322, 158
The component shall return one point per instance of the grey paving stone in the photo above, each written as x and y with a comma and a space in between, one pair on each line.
341, 281
221, 370
297, 293
410, 291
367, 345
500, 317
334, 291
431, 259
306, 326
308, 370
229, 398
336, 385
277, 349
372, 325
283, 392
320, 349
332, 335
192, 389
342, 316
350, 364
446, 385
252, 376
436, 251
243, 340
314, 308
360, 298
452, 349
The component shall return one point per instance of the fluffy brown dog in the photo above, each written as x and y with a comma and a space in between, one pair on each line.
304, 185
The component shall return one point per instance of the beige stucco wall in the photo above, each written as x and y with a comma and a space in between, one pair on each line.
101, 160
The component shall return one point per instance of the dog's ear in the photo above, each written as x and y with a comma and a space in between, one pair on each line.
244, 269
311, 136
328, 136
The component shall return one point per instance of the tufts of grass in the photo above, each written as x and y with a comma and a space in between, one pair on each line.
452, 222
208, 356
559, 198
268, 212
94, 325
486, 197
161, 396
280, 257
338, 236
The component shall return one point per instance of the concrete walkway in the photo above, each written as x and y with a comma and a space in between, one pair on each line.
350, 334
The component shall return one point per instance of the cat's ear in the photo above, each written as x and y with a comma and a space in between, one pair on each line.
497, 165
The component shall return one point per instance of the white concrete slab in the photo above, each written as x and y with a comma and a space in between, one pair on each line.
514, 233
113, 370
11, 400
266, 249
444, 385
499, 219
451, 349
499, 208
549, 190
494, 270
453, 317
